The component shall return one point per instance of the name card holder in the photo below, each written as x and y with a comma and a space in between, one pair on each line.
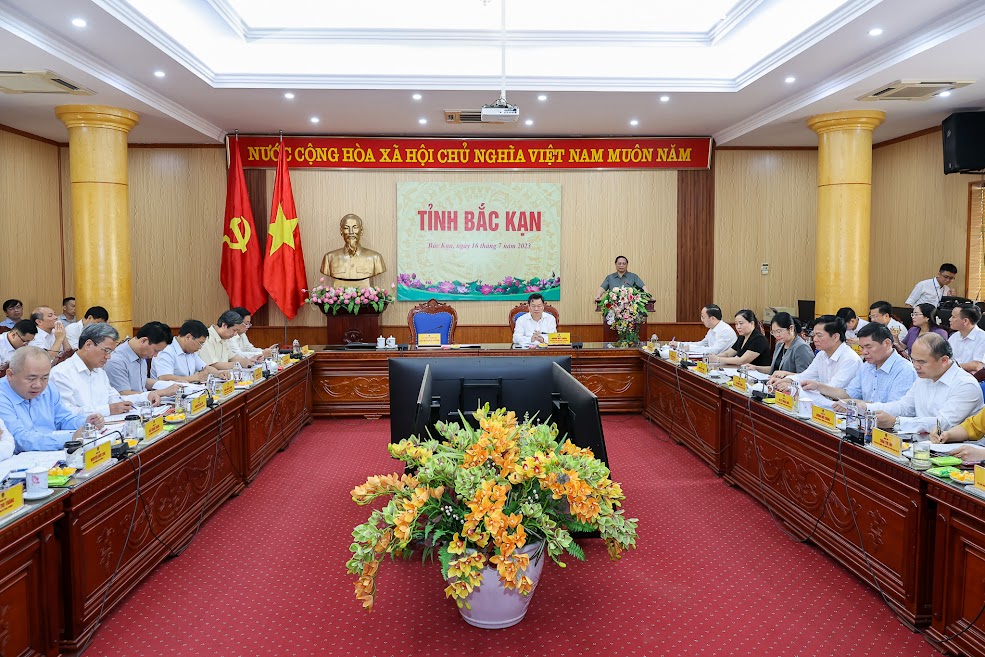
887, 444
674, 357
199, 405
227, 389
784, 401
428, 339
702, 367
979, 487
305, 350
823, 416
96, 459
257, 374
11, 500
559, 339
285, 360
739, 383
153, 428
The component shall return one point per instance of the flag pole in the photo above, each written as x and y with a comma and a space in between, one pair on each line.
284, 343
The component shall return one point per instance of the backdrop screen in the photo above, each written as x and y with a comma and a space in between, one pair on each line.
478, 241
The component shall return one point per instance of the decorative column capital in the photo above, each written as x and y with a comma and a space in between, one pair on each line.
97, 116
847, 120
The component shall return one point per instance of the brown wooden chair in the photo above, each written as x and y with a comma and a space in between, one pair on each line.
4, 329
432, 317
62, 357
523, 309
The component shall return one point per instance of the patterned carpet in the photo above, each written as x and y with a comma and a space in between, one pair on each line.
712, 575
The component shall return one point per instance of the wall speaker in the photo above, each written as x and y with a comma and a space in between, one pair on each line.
964, 142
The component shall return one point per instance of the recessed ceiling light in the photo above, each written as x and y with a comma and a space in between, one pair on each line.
876, 31
159, 74
416, 96
944, 94
665, 99
529, 122
288, 95
79, 22
422, 121
542, 97
315, 119
790, 79
634, 122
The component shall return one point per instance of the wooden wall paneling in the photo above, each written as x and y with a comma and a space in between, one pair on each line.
975, 249
31, 267
695, 242
919, 217
765, 212
65, 216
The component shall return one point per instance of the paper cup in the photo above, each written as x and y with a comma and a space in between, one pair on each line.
37, 480
804, 408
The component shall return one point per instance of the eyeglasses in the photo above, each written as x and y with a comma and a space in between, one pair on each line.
107, 350
778, 332
916, 314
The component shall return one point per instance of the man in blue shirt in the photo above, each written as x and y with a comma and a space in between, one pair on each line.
885, 376
32, 410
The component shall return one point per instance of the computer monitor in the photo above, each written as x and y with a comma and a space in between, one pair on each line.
582, 422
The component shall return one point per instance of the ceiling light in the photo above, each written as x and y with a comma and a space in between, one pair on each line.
422, 121
416, 96
79, 22
529, 122
315, 119
634, 122
542, 97
790, 79
876, 31
289, 95
944, 94
664, 99
159, 74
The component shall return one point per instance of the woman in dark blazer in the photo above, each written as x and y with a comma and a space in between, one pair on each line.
792, 355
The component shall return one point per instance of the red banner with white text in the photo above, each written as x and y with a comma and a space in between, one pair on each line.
382, 153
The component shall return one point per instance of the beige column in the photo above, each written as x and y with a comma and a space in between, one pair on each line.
97, 146
844, 205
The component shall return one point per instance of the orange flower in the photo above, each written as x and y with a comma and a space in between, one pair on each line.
457, 545
383, 485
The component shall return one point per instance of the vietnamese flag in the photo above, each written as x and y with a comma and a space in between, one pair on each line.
242, 262
283, 267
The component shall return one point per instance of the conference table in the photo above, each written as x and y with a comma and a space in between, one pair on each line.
917, 539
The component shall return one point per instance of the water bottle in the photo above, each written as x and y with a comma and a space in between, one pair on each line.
795, 391
851, 415
296, 348
237, 372
870, 424
179, 400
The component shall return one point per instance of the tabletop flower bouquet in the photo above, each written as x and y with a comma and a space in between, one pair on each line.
349, 299
489, 501
624, 309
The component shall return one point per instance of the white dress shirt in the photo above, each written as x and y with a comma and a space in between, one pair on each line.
43, 339
240, 345
968, 349
949, 400
716, 341
928, 291
72, 333
853, 333
86, 391
836, 370
7, 444
525, 327
216, 348
6, 349
173, 360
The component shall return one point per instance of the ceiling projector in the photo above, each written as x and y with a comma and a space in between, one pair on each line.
499, 112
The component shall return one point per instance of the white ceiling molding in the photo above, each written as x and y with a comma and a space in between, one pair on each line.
738, 14
971, 17
231, 17
49, 42
814, 35
476, 37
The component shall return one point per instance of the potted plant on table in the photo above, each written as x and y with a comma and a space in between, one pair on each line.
490, 501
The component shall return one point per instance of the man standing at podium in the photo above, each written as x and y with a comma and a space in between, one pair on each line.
622, 277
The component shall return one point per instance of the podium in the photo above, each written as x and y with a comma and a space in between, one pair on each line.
345, 328
610, 335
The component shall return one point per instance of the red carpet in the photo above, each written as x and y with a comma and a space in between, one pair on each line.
712, 574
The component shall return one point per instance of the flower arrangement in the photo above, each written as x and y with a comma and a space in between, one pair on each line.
509, 285
625, 311
477, 495
349, 299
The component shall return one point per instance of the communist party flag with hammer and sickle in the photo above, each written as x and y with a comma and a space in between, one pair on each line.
283, 266
242, 264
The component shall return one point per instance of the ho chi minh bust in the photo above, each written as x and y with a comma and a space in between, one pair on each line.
352, 265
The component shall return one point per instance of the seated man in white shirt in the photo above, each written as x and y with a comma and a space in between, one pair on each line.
95, 315
533, 328
7, 444
834, 365
128, 368
179, 361
216, 351
83, 384
944, 394
720, 334
51, 333
934, 289
240, 345
17, 337
968, 340
882, 312
853, 323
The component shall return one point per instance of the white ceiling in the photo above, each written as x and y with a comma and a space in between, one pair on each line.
722, 63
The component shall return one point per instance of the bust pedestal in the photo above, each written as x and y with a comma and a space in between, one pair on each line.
345, 328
